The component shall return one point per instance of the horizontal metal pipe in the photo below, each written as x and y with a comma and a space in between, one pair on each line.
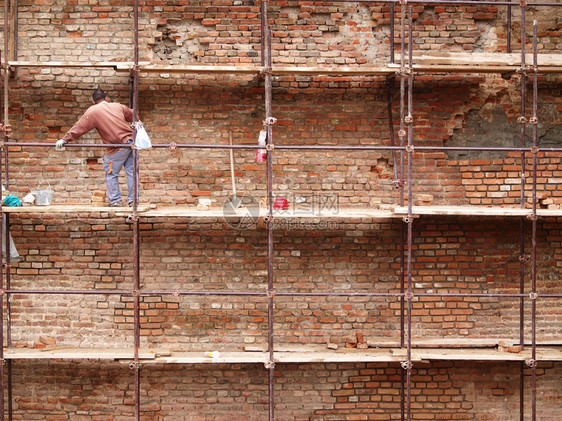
206, 293
264, 293
68, 292
450, 2
298, 147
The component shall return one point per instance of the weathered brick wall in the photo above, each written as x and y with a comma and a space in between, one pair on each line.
448, 110
440, 391
450, 255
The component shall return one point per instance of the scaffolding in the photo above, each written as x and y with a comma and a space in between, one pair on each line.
403, 157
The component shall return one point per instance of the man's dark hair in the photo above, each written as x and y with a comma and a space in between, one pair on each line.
98, 95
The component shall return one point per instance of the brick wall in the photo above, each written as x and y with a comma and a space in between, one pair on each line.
450, 255
440, 391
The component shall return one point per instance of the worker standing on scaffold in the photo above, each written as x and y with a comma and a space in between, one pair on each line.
112, 121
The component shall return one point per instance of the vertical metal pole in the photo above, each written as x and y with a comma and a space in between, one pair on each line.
264, 25
522, 257
136, 240
410, 218
509, 29
4, 138
392, 33
401, 135
534, 122
270, 290
8, 285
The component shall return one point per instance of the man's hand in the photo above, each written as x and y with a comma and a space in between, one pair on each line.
60, 145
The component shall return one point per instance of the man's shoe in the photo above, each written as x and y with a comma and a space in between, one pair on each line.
116, 205
130, 204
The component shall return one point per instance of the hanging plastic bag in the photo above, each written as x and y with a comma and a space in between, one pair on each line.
261, 154
142, 141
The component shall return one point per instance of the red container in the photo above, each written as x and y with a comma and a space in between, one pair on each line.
261, 155
280, 204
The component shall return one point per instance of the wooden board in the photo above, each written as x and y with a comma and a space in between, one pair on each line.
474, 211
296, 354
80, 64
70, 208
482, 59
74, 353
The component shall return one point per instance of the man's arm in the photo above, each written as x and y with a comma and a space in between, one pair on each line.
128, 113
82, 126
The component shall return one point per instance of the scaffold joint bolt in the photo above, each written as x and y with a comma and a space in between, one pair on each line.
533, 295
523, 3
401, 133
270, 294
533, 217
404, 72
531, 363
407, 219
534, 149
408, 119
267, 219
133, 365
406, 365
534, 120
269, 365
409, 296
270, 121
269, 147
173, 146
410, 148
522, 120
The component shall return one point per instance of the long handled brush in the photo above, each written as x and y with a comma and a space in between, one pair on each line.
235, 201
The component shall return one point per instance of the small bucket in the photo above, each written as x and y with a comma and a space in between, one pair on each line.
43, 197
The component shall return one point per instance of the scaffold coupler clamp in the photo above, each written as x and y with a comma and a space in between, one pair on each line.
132, 217
531, 363
522, 120
266, 71
269, 365
173, 146
533, 295
407, 219
408, 119
531, 68
525, 258
269, 121
271, 294
406, 71
534, 120
409, 296
398, 183
533, 217
401, 133
134, 365
2, 292
522, 3
409, 148
406, 365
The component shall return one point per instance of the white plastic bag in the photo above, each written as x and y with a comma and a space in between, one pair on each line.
142, 141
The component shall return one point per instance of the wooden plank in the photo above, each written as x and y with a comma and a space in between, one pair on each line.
199, 357
335, 71
86, 64
196, 69
474, 211
482, 59
75, 353
70, 208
